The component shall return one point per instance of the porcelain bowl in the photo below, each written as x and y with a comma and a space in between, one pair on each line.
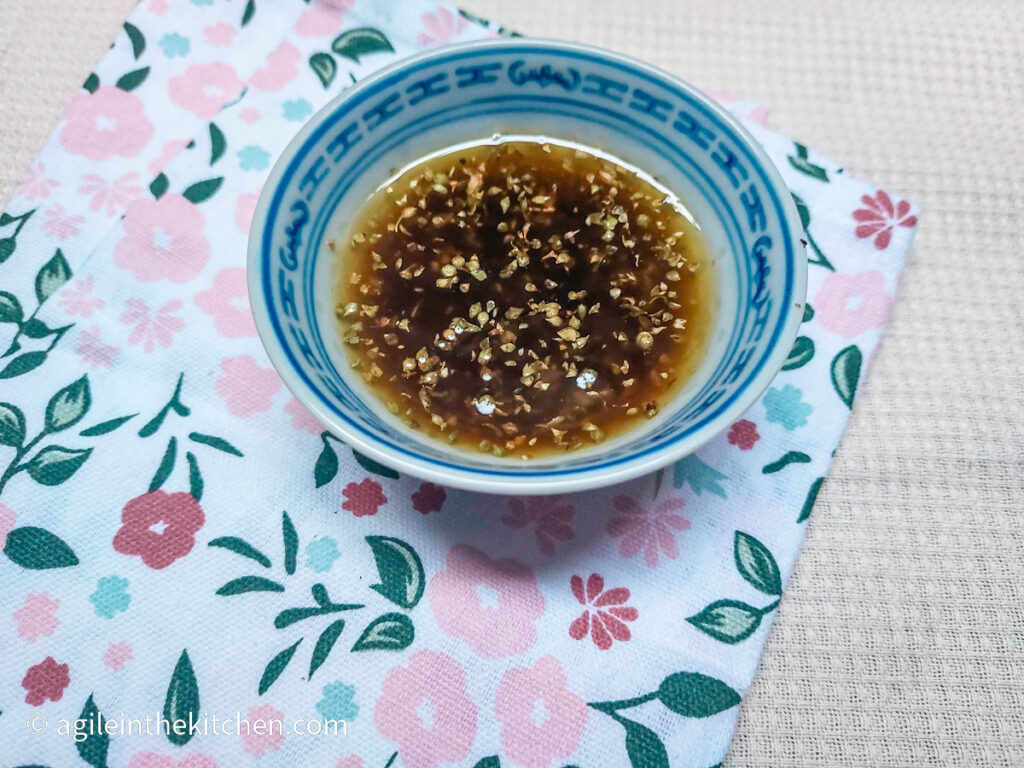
567, 92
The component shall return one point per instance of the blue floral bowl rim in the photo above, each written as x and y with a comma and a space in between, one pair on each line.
584, 478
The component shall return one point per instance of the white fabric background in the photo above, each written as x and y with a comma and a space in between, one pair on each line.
900, 641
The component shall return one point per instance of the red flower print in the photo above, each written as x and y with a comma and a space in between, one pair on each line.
648, 530
362, 499
880, 216
743, 435
548, 516
605, 612
46, 680
159, 527
429, 498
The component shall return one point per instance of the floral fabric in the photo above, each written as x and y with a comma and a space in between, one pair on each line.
182, 540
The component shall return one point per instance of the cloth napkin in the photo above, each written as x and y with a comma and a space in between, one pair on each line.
195, 574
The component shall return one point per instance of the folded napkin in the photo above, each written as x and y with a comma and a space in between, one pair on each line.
196, 575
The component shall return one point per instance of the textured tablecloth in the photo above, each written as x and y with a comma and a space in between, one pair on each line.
901, 638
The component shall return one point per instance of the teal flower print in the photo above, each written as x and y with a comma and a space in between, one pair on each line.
174, 45
321, 554
296, 109
337, 703
253, 158
785, 407
111, 596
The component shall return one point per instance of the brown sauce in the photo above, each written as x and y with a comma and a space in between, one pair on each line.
521, 298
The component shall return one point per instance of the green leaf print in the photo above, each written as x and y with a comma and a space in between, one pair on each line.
38, 550
249, 12
249, 584
372, 466
34, 328
812, 496
805, 166
276, 666
291, 543
133, 79
240, 547
488, 762
728, 621
324, 644
12, 425
166, 465
10, 308
202, 190
390, 632
22, 364
401, 572
326, 464
800, 355
756, 564
644, 746
91, 83
214, 442
324, 66
137, 39
90, 736
698, 475
68, 406
105, 427
790, 457
51, 276
846, 373
182, 702
691, 694
54, 464
805, 219
159, 185
808, 313
217, 143
195, 477
354, 43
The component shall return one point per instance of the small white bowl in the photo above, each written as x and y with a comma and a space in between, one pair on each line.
565, 91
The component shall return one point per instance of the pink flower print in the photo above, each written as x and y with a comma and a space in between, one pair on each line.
271, 732
77, 301
245, 208
605, 612
323, 20
281, 68
249, 115
36, 617
158, 7
163, 239
302, 418
549, 516
491, 604
743, 435
117, 656
352, 761
363, 499
245, 387
203, 89
424, 709
46, 680
92, 352
7, 521
110, 197
849, 305
60, 225
152, 329
35, 185
106, 123
219, 34
155, 760
879, 216
649, 530
541, 719
168, 153
227, 302
441, 27
428, 498
159, 527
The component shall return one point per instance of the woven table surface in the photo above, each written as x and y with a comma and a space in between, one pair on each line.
900, 641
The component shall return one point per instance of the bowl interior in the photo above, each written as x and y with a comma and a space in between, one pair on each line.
568, 94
